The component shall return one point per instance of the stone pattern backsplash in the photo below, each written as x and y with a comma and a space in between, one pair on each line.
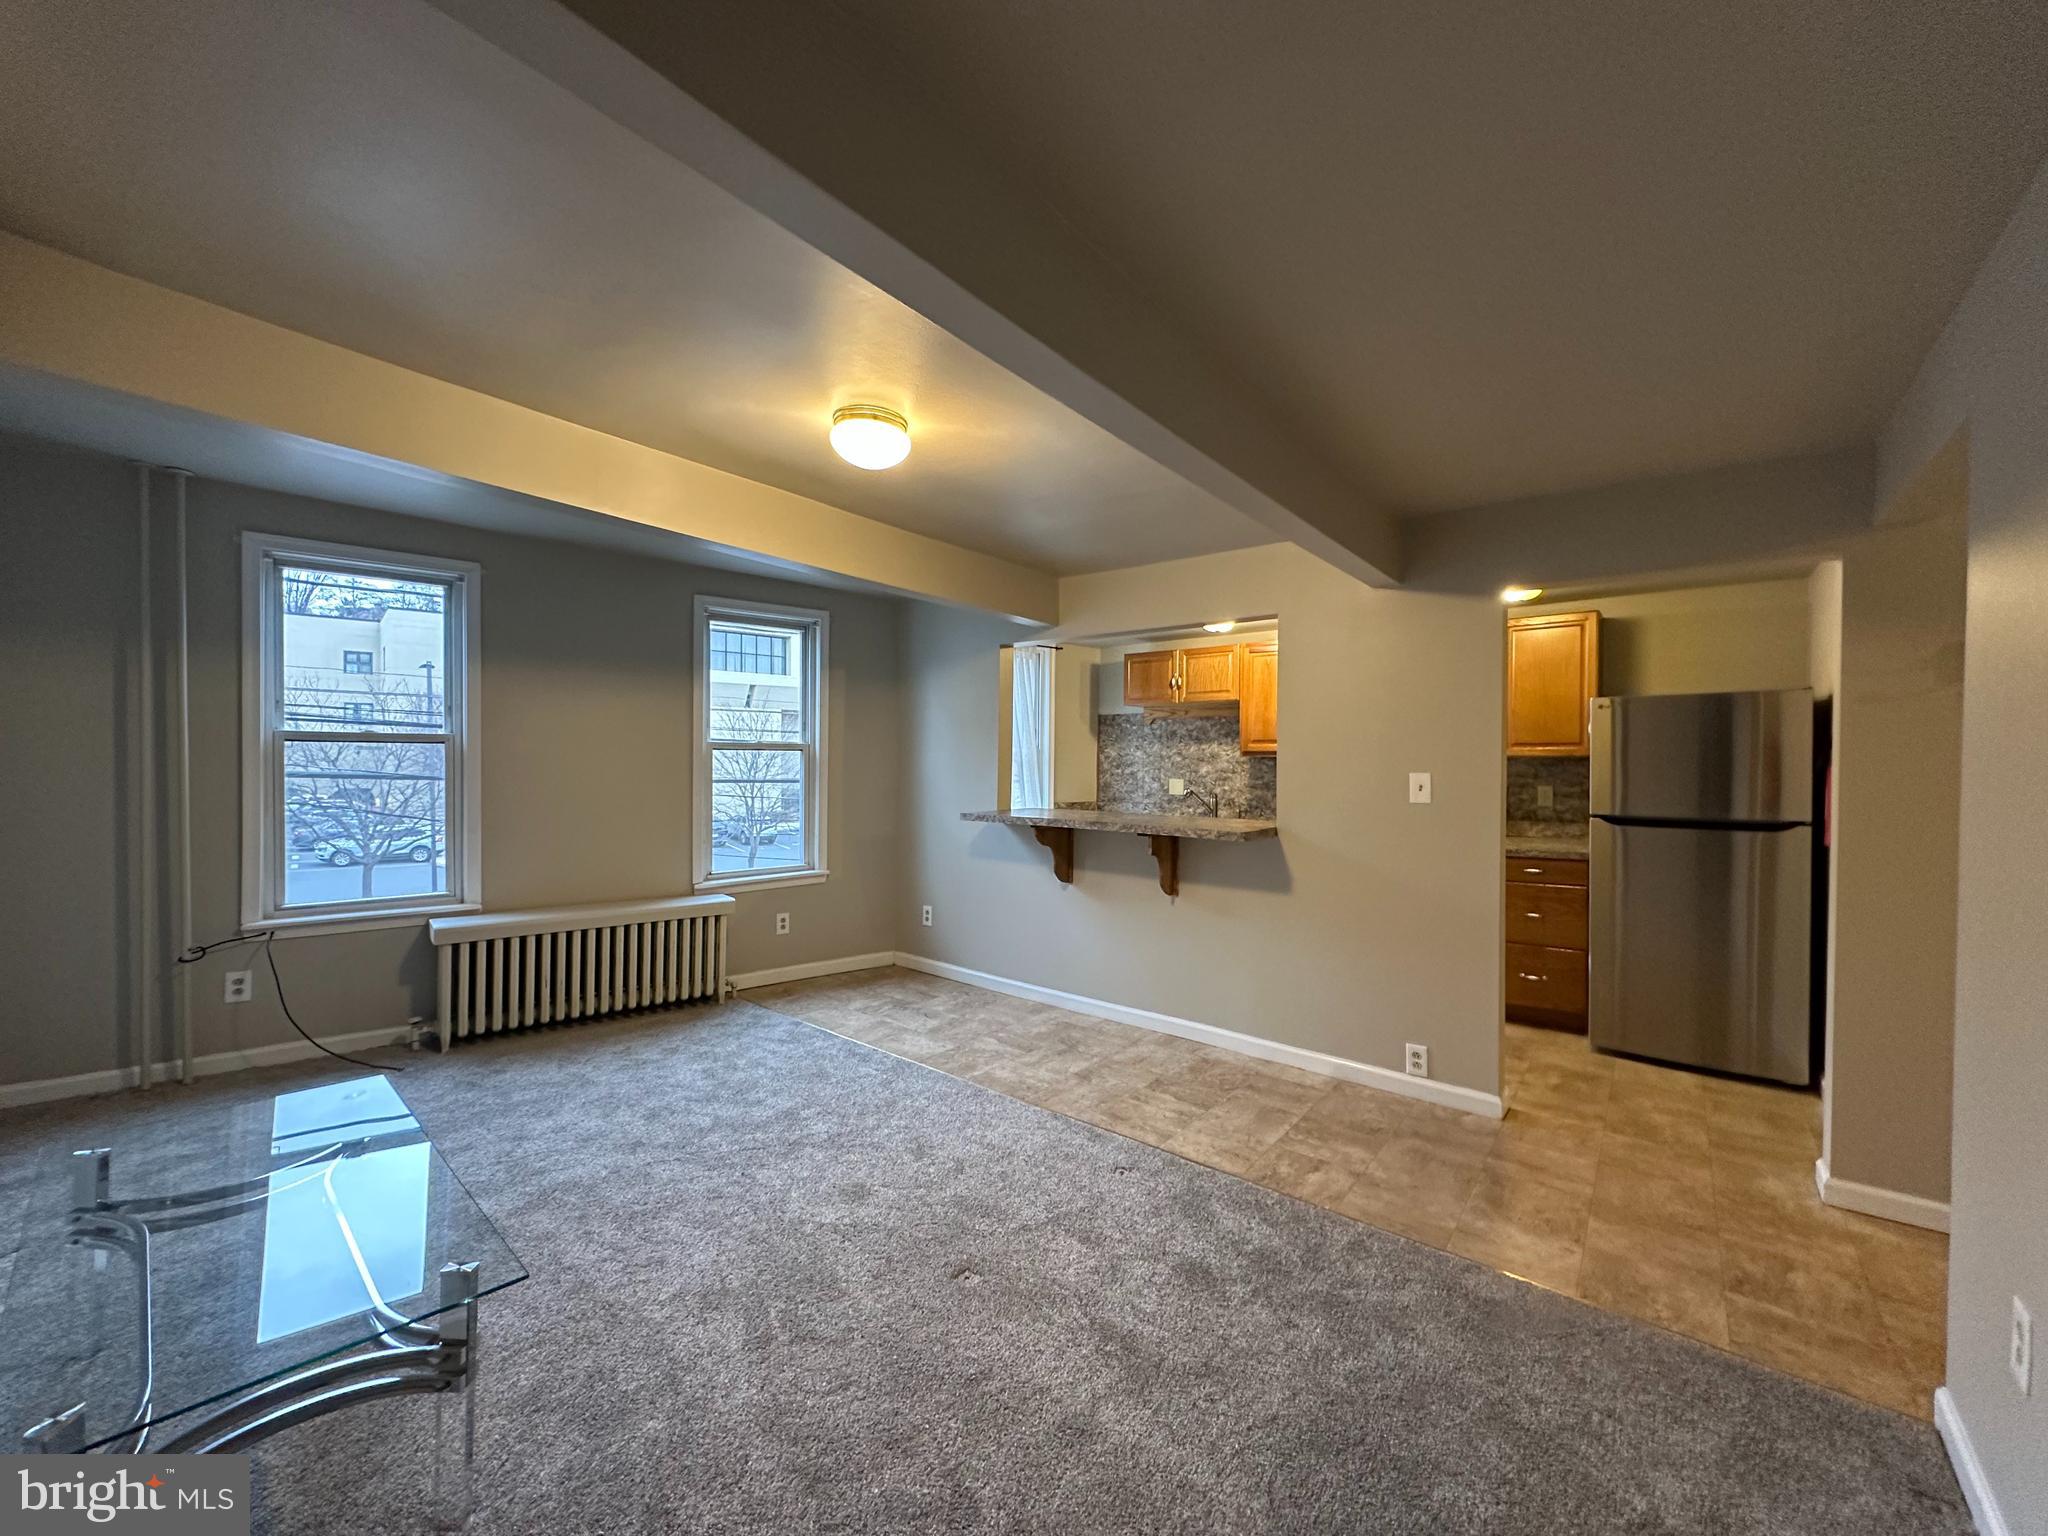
1137, 754
1568, 781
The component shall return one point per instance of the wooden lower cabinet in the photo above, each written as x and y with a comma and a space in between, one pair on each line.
1546, 942
1548, 982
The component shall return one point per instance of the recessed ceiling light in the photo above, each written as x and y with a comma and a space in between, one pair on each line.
1520, 594
870, 436
1221, 626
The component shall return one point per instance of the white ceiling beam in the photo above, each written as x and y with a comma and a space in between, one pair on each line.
73, 321
779, 106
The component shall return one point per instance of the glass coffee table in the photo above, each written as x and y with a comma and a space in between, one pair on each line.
213, 1278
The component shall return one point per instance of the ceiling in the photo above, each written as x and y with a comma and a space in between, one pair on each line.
1480, 250
372, 174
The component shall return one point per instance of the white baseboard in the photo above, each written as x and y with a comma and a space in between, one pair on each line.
1984, 1510
1873, 1200
747, 980
44, 1090
1449, 1095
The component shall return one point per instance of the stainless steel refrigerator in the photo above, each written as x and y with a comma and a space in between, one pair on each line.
1702, 880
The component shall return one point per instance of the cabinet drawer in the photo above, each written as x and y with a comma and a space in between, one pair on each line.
1549, 915
1547, 871
1548, 980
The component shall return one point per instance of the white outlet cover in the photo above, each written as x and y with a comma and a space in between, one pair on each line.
1176, 786
782, 922
1417, 1060
1418, 789
235, 987
927, 917
2022, 1348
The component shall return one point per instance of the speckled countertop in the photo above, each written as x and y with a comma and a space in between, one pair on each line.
1537, 841
1214, 829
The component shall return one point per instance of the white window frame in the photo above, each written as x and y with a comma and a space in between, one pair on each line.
263, 841
813, 747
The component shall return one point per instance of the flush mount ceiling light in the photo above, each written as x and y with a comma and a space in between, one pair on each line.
1221, 626
1520, 594
870, 436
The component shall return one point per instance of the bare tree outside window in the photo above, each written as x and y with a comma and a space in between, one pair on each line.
756, 792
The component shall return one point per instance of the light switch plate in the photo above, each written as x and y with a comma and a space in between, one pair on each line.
1176, 787
1418, 789
1546, 797
2022, 1361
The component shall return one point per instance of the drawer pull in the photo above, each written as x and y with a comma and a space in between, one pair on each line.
1532, 869
1527, 977
1532, 914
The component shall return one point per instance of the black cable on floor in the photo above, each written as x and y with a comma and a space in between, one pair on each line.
201, 951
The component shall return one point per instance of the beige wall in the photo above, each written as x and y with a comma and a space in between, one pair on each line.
1824, 666
1720, 639
1898, 722
1987, 378
586, 757
1369, 923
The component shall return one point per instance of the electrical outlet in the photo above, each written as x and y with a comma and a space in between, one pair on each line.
782, 922
1176, 787
234, 987
927, 915
1546, 797
1418, 789
1418, 1060
2022, 1361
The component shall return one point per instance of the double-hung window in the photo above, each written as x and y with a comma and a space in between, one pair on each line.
359, 705
760, 729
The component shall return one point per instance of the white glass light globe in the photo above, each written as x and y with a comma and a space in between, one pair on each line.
870, 436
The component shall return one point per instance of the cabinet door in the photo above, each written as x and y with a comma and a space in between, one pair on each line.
1258, 709
1149, 677
1553, 672
1208, 674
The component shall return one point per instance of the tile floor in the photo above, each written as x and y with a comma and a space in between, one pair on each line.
1680, 1198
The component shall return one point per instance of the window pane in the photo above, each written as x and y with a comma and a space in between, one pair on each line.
364, 819
363, 652
757, 682
757, 810
760, 650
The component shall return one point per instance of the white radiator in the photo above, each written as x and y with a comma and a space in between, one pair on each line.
510, 970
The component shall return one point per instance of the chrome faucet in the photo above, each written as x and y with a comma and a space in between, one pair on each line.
1207, 802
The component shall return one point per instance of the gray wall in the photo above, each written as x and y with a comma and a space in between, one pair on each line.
68, 597
1983, 394
587, 757
1369, 923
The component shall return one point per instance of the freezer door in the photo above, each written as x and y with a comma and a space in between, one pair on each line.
1699, 947
1745, 757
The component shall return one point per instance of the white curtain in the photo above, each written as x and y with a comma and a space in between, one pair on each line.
1031, 726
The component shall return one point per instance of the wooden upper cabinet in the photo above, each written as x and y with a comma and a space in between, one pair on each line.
1205, 674
1208, 674
1553, 673
1149, 677
1258, 708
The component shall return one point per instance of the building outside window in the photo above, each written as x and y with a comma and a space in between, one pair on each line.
360, 774
761, 749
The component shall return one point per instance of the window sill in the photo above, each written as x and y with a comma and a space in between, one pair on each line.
361, 922
733, 885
